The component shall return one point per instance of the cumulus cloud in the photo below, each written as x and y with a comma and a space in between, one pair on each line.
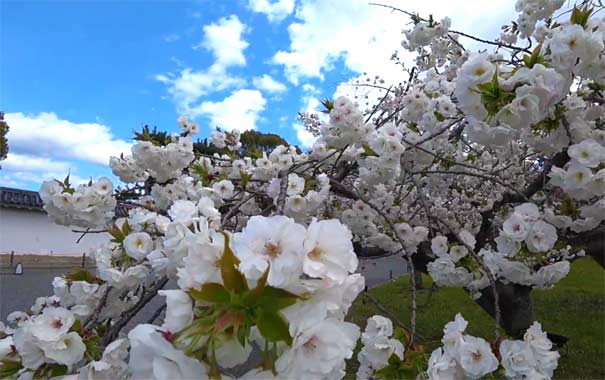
224, 39
45, 135
275, 11
240, 110
305, 137
20, 162
268, 84
366, 36
20, 169
189, 85
33, 180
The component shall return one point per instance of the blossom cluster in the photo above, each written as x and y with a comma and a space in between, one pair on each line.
464, 356
229, 140
90, 205
525, 242
163, 163
378, 347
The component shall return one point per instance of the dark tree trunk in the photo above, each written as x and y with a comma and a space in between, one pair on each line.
516, 310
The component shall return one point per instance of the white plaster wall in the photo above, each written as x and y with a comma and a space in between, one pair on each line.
32, 232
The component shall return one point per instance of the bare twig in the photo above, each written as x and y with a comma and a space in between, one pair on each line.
235, 209
417, 17
479, 175
283, 188
95, 315
114, 330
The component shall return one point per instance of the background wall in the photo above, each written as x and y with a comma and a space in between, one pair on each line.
32, 232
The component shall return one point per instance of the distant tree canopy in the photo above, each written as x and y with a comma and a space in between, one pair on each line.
3, 140
254, 144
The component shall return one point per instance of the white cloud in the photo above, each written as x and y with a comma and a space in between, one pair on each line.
276, 10
172, 37
46, 135
305, 137
240, 110
366, 36
25, 179
20, 162
268, 84
20, 170
224, 40
189, 85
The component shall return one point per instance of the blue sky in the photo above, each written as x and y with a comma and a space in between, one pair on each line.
76, 77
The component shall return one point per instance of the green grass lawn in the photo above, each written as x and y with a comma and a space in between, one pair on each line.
573, 308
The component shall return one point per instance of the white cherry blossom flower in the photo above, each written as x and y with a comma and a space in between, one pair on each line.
183, 211
319, 352
442, 366
152, 357
68, 349
53, 323
476, 357
515, 227
275, 242
179, 310
224, 189
517, 358
138, 244
328, 251
542, 237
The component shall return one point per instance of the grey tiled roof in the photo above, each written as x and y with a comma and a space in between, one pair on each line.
17, 198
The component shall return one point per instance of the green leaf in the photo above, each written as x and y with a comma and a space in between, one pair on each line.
83, 275
126, 228
9, 368
229, 319
401, 335
115, 231
275, 299
211, 292
534, 58
233, 279
412, 127
581, 16
77, 327
245, 178
199, 327
568, 208
253, 295
93, 351
66, 180
273, 327
50, 370
328, 105
202, 173
394, 359
368, 152
309, 183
